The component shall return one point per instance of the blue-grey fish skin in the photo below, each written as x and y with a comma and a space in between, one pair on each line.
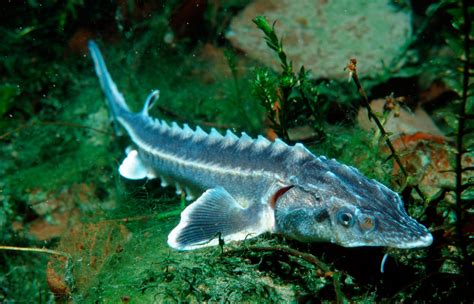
235, 165
245, 187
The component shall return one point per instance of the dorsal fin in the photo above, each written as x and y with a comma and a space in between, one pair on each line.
150, 101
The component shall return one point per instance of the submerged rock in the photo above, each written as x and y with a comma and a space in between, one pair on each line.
402, 122
427, 154
323, 35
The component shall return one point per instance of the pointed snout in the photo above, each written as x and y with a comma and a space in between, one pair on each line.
410, 234
423, 241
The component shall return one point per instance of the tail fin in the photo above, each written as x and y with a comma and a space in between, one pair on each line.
115, 99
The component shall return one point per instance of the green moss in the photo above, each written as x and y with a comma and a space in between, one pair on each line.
22, 276
142, 268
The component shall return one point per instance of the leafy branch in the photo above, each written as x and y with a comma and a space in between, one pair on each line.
273, 43
458, 74
287, 96
465, 30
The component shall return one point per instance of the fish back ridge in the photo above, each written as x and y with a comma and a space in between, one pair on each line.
157, 137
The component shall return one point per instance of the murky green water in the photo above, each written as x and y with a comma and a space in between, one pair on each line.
59, 154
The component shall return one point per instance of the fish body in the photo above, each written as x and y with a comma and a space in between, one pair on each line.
245, 187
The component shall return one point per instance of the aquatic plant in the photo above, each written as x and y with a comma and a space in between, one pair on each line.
352, 68
460, 39
462, 15
448, 209
287, 96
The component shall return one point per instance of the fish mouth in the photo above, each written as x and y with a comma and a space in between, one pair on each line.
423, 241
420, 242
411, 235
414, 236
404, 233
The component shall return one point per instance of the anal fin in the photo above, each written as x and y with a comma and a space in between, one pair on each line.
216, 213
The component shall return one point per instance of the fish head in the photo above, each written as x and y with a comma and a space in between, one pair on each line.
335, 203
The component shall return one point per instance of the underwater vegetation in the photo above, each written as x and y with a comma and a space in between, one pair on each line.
72, 230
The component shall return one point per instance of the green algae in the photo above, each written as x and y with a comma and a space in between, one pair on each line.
147, 270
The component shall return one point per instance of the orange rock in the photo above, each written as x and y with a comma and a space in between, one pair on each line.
56, 282
429, 158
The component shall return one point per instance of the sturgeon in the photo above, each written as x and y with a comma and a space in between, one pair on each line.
246, 187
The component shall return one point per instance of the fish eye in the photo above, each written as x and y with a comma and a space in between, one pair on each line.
345, 218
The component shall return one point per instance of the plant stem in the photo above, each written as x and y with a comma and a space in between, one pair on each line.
352, 67
33, 249
283, 113
459, 140
287, 78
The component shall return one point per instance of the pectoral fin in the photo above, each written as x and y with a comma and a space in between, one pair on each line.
216, 213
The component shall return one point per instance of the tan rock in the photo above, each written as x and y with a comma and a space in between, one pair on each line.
405, 123
323, 35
